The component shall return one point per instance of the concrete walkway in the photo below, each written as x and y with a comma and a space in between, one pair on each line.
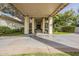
11, 45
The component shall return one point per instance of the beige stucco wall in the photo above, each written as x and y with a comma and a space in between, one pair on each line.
11, 24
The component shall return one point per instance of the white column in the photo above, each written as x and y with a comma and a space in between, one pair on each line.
26, 25
50, 25
77, 26
33, 25
43, 25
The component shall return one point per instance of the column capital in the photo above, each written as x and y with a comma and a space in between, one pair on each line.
33, 18
43, 17
26, 17
50, 17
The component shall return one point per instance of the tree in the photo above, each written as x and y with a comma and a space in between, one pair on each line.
64, 19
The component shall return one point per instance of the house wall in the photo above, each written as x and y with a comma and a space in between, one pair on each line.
9, 23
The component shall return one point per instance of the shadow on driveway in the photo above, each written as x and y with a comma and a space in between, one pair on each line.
56, 45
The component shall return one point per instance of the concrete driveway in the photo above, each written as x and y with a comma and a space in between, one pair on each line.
11, 45
71, 40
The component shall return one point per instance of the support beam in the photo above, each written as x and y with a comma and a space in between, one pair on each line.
26, 25
33, 25
50, 25
43, 25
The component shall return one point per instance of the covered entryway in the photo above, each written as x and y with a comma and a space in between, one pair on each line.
39, 16
38, 26
39, 19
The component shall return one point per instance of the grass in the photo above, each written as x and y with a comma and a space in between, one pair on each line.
12, 34
50, 54
61, 33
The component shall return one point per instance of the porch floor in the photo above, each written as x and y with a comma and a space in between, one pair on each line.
11, 45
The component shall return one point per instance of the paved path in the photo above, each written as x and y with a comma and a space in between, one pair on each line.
11, 45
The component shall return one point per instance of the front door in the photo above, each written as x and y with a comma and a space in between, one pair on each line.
38, 26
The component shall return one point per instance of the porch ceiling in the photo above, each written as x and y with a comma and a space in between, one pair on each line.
39, 9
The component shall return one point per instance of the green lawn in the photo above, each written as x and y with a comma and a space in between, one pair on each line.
50, 54
61, 33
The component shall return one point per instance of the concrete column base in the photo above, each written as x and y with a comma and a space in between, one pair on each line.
77, 29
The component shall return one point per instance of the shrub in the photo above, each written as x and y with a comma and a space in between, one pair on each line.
57, 29
22, 30
69, 29
4, 30
7, 30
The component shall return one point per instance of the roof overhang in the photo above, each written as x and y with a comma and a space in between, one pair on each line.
39, 10
8, 16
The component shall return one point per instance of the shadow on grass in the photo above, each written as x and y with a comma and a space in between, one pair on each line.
64, 48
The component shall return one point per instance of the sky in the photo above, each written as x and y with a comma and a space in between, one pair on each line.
73, 6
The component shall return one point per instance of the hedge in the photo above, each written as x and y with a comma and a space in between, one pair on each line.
7, 30
69, 29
